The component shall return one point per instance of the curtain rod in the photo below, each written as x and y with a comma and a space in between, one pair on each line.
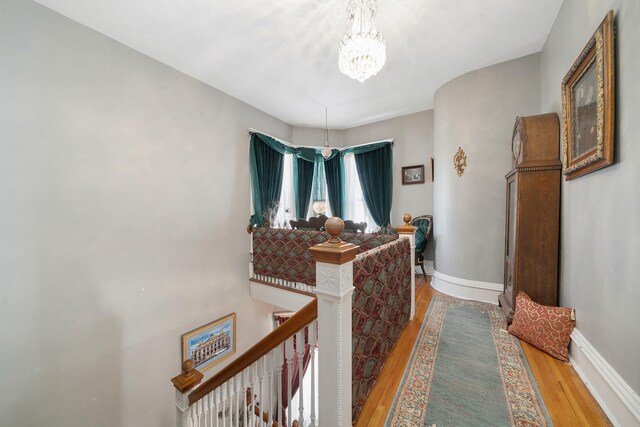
252, 131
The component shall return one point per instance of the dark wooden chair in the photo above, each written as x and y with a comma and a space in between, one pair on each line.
354, 227
313, 223
424, 228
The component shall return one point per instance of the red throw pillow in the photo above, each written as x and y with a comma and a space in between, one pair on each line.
548, 328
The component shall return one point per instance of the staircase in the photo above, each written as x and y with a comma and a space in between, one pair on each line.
258, 387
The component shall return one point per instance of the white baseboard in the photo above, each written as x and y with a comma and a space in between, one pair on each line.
616, 398
466, 289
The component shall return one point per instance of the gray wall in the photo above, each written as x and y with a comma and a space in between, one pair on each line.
476, 111
315, 137
413, 135
600, 232
124, 194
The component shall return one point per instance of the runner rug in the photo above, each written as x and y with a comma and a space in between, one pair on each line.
466, 370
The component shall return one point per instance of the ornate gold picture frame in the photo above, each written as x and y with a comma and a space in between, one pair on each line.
588, 105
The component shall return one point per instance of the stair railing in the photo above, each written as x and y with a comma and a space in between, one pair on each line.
248, 392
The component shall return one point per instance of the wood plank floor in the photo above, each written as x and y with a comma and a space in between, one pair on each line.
567, 399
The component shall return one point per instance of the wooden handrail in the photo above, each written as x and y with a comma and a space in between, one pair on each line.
302, 318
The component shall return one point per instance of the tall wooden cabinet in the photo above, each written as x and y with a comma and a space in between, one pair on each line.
533, 213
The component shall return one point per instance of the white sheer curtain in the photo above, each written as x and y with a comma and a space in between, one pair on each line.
355, 207
286, 209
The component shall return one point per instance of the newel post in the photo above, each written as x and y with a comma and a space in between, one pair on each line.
408, 231
334, 287
187, 380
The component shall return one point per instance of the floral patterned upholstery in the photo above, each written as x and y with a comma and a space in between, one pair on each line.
381, 299
381, 310
284, 254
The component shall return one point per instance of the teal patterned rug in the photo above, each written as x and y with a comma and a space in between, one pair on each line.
466, 370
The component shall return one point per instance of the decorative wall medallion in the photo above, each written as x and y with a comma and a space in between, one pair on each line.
460, 161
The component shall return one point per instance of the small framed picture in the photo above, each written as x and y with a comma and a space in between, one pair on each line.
413, 175
211, 343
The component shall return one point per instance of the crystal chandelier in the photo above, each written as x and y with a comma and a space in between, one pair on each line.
362, 50
326, 150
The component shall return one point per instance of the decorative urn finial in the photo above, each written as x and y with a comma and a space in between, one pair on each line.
334, 226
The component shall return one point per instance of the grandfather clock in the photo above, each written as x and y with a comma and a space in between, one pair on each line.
533, 213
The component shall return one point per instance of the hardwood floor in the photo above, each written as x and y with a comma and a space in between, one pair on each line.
567, 399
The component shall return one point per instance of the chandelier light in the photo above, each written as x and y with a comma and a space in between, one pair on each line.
362, 50
326, 150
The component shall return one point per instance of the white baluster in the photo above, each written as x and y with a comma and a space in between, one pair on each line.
300, 346
199, 412
252, 385
244, 397
260, 401
289, 358
192, 416
238, 391
223, 397
217, 407
278, 360
313, 341
202, 418
230, 396
269, 367
210, 398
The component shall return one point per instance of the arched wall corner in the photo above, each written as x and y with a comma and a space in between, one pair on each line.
476, 112
466, 289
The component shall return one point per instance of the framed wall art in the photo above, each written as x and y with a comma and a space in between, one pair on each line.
431, 173
211, 343
588, 105
413, 175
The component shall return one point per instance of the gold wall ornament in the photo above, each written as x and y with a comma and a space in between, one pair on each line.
460, 161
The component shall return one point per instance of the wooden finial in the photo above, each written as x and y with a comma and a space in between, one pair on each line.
188, 366
334, 226
189, 378
334, 251
407, 228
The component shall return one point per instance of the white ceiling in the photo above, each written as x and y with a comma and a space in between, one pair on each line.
281, 56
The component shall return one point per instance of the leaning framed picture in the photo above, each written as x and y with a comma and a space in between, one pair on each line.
210, 343
413, 175
588, 105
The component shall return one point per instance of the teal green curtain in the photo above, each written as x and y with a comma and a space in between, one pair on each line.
307, 153
373, 162
334, 170
376, 179
360, 149
266, 166
303, 180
